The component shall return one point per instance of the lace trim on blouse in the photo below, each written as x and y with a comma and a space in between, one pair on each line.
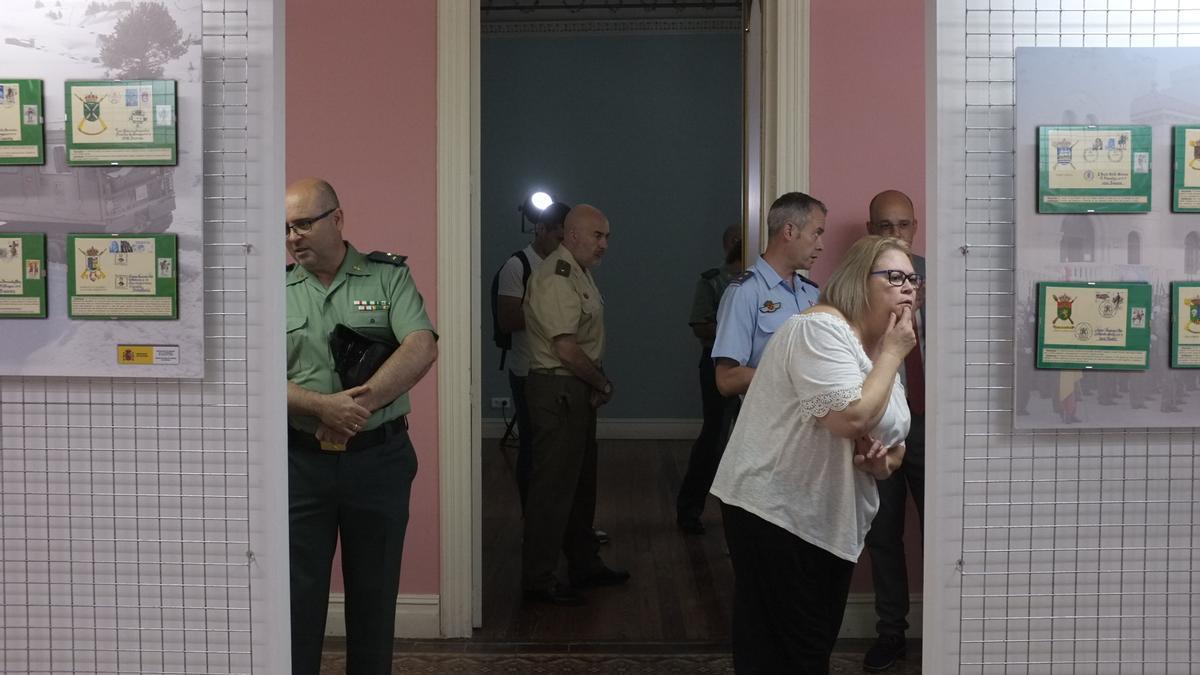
825, 402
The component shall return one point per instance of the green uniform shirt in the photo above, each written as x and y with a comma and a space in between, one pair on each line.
562, 299
364, 293
707, 297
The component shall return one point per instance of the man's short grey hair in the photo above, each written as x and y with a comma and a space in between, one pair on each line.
793, 207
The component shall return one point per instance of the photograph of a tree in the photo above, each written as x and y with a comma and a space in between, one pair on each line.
142, 42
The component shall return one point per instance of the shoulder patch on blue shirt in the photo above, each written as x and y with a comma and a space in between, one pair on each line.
736, 281
389, 258
562, 268
808, 281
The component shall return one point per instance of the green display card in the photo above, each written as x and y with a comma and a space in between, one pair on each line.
22, 275
1094, 169
1093, 325
121, 122
122, 276
22, 131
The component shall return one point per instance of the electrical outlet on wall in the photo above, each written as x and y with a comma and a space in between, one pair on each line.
501, 402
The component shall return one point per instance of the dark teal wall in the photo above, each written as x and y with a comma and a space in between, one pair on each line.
647, 128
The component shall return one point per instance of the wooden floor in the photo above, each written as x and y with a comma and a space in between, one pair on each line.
681, 587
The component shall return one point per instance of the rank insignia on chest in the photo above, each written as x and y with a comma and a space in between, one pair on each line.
769, 306
371, 305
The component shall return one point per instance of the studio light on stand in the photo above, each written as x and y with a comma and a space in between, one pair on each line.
532, 208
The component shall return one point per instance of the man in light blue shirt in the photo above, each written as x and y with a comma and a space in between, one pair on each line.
759, 300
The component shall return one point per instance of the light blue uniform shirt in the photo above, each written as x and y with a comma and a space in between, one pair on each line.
755, 304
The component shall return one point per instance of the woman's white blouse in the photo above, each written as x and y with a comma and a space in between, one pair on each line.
781, 464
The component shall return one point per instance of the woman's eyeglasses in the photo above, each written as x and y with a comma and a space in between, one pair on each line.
898, 277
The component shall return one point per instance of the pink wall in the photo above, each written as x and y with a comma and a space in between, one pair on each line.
868, 135
362, 113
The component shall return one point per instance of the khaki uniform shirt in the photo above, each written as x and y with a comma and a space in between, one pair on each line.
563, 300
363, 294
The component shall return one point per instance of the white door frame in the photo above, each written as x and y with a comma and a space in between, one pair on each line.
784, 167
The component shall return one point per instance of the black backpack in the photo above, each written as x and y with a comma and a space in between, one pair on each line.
504, 340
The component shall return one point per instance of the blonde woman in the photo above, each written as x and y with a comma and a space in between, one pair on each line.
824, 418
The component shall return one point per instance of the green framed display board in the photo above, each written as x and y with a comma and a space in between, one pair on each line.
1185, 324
1093, 325
21, 122
121, 122
1094, 169
23, 275
1185, 198
122, 276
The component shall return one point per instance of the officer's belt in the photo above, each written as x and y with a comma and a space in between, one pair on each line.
551, 371
360, 441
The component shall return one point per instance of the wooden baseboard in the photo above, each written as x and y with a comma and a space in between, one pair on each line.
645, 428
417, 616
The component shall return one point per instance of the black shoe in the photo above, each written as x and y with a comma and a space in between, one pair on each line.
690, 525
601, 577
557, 594
601, 536
884, 653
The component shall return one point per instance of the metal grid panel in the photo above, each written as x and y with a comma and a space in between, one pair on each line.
1078, 548
125, 516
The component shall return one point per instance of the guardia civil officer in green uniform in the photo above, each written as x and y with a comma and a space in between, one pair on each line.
350, 461
564, 322
710, 444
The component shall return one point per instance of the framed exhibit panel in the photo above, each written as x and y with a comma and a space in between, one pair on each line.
22, 275
120, 122
1093, 325
122, 277
1185, 324
1094, 169
1083, 95
149, 182
21, 133
1185, 197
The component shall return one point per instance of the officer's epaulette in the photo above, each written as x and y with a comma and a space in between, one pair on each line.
708, 274
389, 258
562, 268
741, 277
808, 281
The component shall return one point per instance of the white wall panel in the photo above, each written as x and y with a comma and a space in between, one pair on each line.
1053, 551
143, 525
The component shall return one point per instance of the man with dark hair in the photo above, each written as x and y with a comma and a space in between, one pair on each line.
706, 451
510, 319
350, 461
760, 299
892, 215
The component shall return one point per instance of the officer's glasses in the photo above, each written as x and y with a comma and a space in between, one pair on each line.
898, 277
302, 226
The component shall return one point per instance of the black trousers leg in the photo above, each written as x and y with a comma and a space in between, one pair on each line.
789, 598
312, 534
708, 447
885, 540
373, 520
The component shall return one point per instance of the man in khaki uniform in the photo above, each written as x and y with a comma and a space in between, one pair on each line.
350, 461
564, 320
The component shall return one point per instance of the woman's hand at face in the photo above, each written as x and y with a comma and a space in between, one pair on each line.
900, 336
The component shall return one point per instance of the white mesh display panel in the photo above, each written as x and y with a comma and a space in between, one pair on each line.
126, 504
1077, 549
